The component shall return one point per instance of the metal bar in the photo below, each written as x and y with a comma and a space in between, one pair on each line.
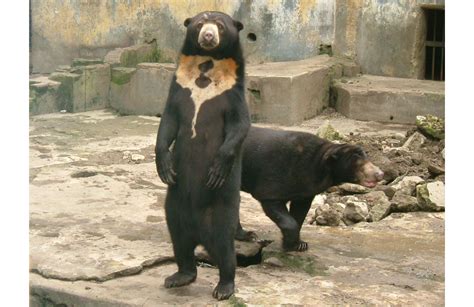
434, 26
433, 64
441, 77
434, 44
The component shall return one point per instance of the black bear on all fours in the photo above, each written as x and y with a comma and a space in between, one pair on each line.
206, 117
288, 166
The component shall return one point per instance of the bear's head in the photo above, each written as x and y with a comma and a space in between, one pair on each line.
349, 163
211, 33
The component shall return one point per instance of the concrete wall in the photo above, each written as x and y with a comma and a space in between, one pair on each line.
63, 30
386, 37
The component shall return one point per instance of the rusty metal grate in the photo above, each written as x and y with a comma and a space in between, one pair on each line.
434, 45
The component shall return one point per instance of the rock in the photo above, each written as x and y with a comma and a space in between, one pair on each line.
388, 190
435, 170
328, 132
442, 153
407, 184
431, 196
137, 157
402, 202
319, 200
414, 142
326, 215
379, 205
431, 126
417, 158
353, 188
274, 261
355, 211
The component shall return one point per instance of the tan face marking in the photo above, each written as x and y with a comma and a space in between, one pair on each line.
209, 28
223, 76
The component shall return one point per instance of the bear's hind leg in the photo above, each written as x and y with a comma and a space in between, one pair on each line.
244, 235
298, 210
183, 246
276, 210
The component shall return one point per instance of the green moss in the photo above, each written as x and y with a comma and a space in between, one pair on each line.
329, 133
300, 263
122, 75
236, 301
431, 126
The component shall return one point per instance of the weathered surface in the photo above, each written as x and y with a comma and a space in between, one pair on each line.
142, 90
406, 184
431, 196
62, 31
289, 92
431, 125
132, 56
384, 99
44, 95
98, 214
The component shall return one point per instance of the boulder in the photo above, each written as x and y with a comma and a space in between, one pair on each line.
353, 188
431, 196
378, 203
406, 184
327, 215
402, 202
355, 211
431, 126
414, 142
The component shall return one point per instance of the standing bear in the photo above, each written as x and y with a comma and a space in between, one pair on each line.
206, 117
289, 166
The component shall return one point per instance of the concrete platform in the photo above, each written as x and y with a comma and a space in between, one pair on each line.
384, 99
98, 235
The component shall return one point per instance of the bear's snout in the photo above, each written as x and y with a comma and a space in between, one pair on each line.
209, 36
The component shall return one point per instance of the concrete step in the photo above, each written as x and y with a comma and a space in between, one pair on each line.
384, 99
278, 92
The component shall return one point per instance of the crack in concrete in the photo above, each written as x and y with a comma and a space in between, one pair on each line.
145, 265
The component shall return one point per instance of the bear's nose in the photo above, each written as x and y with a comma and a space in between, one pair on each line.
208, 36
379, 175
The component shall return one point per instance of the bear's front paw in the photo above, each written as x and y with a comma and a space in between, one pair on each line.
219, 171
223, 291
164, 167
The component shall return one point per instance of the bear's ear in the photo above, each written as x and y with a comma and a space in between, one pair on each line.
331, 155
238, 25
187, 22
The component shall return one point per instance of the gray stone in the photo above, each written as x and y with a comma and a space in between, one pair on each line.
414, 142
326, 215
86, 62
431, 125
353, 188
406, 184
137, 158
141, 92
431, 196
383, 99
402, 202
274, 261
443, 153
356, 211
379, 205
388, 190
435, 170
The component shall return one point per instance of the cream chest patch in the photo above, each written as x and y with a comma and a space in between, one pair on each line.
206, 78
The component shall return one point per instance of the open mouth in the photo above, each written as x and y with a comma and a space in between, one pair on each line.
369, 184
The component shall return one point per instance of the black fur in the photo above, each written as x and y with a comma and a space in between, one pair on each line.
203, 173
288, 166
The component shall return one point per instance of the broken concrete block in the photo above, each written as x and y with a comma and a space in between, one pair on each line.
431, 196
131, 56
385, 99
402, 202
44, 96
406, 184
414, 142
379, 205
356, 211
288, 92
143, 91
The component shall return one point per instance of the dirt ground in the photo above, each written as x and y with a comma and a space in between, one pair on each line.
98, 235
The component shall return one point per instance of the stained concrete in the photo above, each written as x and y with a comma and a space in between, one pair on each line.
384, 99
97, 230
63, 30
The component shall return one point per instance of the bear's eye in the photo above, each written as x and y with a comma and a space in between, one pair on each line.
220, 26
199, 25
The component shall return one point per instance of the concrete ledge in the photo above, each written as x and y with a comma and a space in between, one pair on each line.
131, 56
44, 95
141, 91
384, 99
